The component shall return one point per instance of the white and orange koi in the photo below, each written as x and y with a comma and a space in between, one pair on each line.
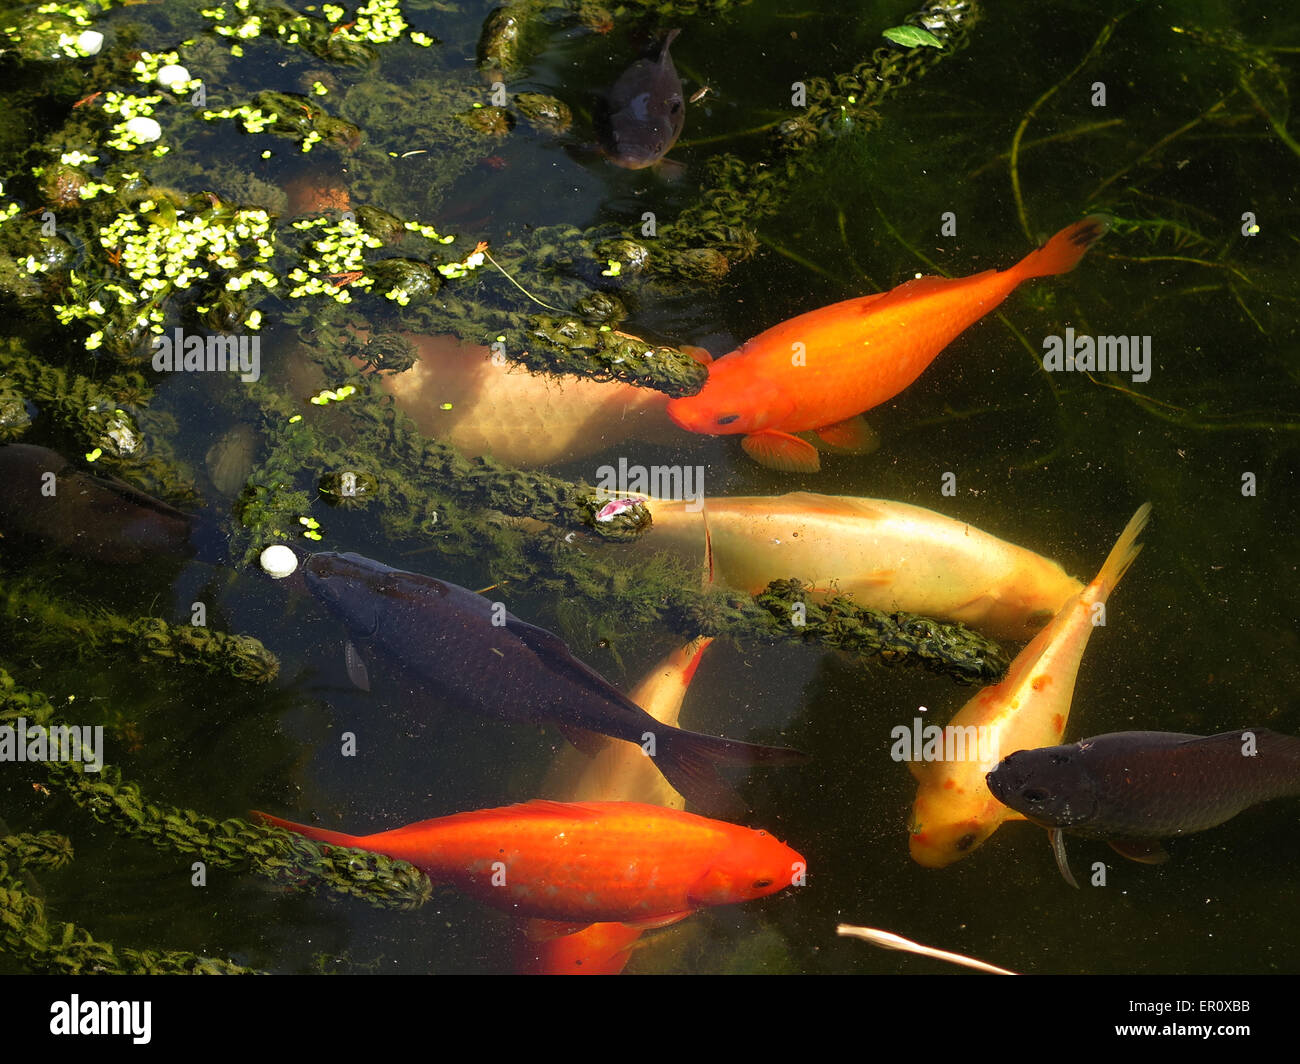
954, 810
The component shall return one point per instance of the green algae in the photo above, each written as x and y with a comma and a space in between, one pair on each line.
282, 857
46, 947
420, 489
31, 619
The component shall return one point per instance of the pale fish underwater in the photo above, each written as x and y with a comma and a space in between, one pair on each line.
954, 813
457, 393
885, 555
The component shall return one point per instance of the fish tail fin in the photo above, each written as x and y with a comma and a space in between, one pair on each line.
1123, 554
334, 838
1062, 253
669, 37
693, 653
690, 761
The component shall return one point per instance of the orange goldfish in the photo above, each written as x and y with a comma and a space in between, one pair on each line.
578, 863
617, 772
886, 555
954, 810
819, 371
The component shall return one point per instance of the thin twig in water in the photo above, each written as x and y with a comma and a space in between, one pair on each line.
1014, 160
1218, 105
888, 940
1068, 134
794, 256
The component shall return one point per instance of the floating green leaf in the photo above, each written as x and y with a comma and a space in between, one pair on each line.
912, 37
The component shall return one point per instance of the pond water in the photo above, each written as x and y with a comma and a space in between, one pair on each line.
1171, 118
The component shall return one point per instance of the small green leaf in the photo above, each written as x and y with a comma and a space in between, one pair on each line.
912, 37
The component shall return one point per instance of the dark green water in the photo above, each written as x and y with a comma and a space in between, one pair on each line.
1201, 636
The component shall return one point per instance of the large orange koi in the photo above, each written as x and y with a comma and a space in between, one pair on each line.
617, 772
818, 371
578, 863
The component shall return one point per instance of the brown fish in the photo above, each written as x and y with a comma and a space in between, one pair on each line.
643, 112
102, 518
467, 648
1132, 788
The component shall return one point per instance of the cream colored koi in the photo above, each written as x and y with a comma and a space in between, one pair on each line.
885, 555
954, 811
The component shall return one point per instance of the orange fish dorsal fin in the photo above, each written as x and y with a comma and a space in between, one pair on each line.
780, 450
853, 435
919, 287
538, 808
544, 807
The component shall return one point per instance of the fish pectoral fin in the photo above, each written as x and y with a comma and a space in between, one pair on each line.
1144, 851
656, 921
853, 435
356, 666
781, 451
1057, 838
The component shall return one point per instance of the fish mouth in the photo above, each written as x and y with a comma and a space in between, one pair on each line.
680, 413
685, 415
1000, 783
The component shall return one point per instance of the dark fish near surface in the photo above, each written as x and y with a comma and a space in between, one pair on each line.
483, 657
1131, 788
643, 112
98, 517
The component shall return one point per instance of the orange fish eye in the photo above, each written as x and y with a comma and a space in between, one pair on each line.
760, 884
966, 841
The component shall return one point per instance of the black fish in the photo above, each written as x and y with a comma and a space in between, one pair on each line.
1132, 788
642, 114
98, 517
481, 656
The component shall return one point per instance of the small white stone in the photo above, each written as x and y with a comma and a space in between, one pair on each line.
144, 129
90, 42
279, 561
171, 75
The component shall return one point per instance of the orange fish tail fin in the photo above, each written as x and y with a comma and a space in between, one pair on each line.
1123, 554
1062, 253
689, 761
334, 838
694, 654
